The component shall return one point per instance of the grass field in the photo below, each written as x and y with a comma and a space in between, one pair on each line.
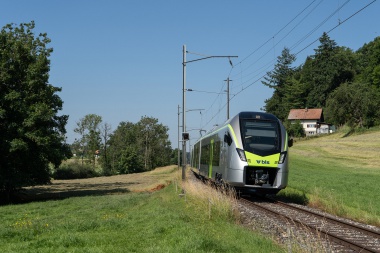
339, 174
135, 219
148, 181
127, 213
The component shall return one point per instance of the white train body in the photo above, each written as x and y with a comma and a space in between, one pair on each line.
249, 152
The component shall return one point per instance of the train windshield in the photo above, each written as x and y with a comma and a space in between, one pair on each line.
261, 137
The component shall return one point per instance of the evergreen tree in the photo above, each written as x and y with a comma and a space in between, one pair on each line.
295, 92
345, 83
276, 80
330, 66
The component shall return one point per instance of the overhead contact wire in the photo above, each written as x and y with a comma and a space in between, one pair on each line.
304, 38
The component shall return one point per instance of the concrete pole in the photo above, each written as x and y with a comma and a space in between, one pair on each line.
178, 154
228, 98
183, 114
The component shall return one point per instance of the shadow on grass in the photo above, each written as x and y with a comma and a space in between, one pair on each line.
293, 196
59, 191
349, 133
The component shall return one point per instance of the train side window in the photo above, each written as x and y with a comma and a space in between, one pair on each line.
227, 138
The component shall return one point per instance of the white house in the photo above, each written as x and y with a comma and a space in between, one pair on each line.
311, 119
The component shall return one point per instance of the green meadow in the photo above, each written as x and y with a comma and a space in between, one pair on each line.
338, 173
158, 221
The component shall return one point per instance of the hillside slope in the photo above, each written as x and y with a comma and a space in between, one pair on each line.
339, 174
357, 150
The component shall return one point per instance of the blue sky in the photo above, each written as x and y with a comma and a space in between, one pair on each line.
123, 59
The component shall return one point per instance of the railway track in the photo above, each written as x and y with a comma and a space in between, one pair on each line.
350, 236
353, 237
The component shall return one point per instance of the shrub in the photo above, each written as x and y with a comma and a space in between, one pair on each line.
74, 171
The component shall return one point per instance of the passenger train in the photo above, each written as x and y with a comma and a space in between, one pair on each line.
248, 152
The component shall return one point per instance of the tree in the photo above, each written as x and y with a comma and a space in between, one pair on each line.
276, 80
295, 129
153, 142
369, 63
355, 104
174, 157
105, 132
295, 94
124, 149
327, 69
88, 128
139, 147
317, 83
32, 133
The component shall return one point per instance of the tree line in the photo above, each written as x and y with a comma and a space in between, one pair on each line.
346, 84
131, 148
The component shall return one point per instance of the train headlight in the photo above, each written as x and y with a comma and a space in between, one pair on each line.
282, 157
241, 154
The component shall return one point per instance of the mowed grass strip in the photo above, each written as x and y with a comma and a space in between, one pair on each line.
159, 221
338, 174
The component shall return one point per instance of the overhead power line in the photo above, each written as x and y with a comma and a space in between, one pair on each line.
279, 41
340, 23
243, 88
249, 55
318, 26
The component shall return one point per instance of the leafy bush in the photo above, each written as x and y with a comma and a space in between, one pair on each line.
295, 129
74, 171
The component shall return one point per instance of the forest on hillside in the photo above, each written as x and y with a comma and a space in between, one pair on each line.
343, 82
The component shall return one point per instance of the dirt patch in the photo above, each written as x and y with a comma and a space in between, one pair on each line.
120, 184
157, 188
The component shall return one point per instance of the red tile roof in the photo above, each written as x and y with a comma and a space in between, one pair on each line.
295, 114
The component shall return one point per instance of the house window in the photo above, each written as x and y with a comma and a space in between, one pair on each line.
310, 125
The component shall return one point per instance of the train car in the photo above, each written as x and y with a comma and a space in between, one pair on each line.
248, 152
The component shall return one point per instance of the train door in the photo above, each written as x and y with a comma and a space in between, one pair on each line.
199, 156
211, 158
223, 155
228, 153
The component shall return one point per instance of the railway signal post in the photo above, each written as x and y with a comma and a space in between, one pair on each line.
184, 62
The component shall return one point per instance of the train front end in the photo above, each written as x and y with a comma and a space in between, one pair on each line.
262, 154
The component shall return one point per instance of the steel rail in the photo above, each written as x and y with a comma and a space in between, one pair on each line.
315, 229
332, 236
364, 230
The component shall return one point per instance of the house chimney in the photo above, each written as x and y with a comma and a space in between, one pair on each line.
306, 109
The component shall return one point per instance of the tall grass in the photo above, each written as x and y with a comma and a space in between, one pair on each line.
210, 202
